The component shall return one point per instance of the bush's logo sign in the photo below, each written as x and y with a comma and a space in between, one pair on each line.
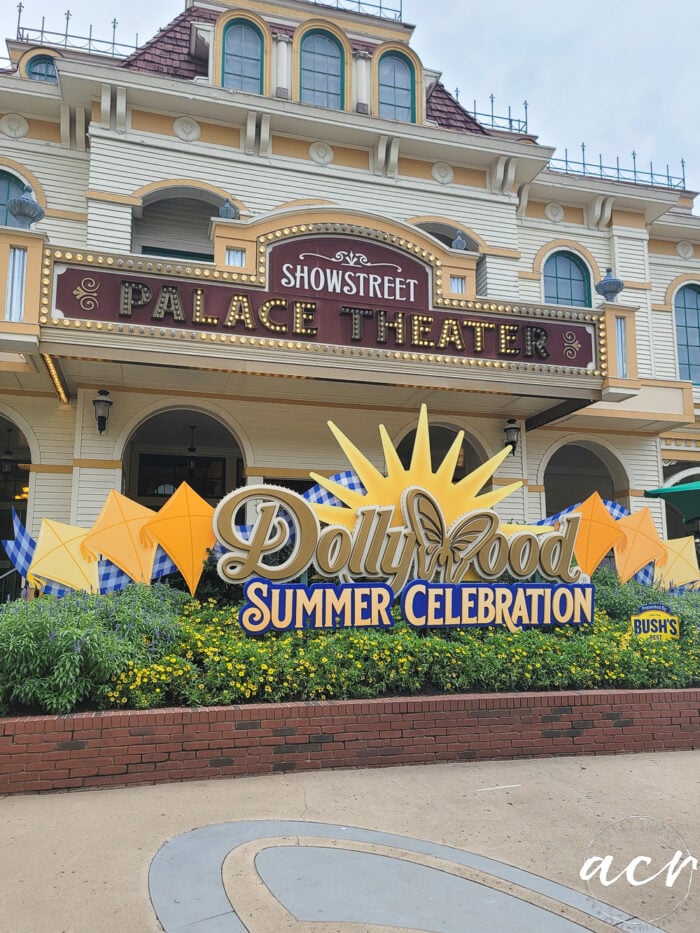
656, 623
411, 531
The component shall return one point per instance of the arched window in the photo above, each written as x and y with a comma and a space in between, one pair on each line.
566, 281
397, 99
42, 68
10, 187
243, 57
687, 308
322, 71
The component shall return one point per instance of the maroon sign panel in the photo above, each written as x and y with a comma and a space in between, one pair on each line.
331, 290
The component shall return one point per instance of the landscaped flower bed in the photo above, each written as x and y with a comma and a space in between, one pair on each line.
151, 646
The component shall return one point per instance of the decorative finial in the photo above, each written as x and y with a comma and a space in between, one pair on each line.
609, 287
25, 209
229, 211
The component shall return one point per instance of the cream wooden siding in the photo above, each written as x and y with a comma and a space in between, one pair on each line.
49, 497
664, 339
263, 185
629, 255
503, 278
180, 224
109, 226
63, 175
482, 276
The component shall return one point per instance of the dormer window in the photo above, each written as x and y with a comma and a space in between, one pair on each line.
243, 57
322, 71
42, 68
397, 99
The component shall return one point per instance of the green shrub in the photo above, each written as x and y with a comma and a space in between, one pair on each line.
59, 654
153, 646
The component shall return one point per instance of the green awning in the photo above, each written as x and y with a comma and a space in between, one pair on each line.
685, 497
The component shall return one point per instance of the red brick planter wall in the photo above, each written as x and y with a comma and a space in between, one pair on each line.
117, 748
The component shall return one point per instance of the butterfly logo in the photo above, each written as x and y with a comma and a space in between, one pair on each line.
444, 553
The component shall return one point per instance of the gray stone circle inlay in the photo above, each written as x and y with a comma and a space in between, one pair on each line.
188, 894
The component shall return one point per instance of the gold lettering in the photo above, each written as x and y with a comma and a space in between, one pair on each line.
524, 554
450, 335
304, 312
264, 315
420, 328
479, 328
507, 334
333, 550
133, 295
397, 324
557, 551
169, 302
240, 312
269, 534
198, 316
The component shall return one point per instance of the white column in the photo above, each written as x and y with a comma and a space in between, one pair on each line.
362, 82
282, 79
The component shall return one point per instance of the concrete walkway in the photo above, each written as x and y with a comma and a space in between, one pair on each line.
489, 846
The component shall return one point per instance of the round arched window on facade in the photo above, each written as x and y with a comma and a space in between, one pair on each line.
687, 311
397, 100
322, 71
567, 280
243, 57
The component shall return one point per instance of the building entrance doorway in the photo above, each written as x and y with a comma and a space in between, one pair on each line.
179, 446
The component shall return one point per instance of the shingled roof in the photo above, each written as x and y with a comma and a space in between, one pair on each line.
449, 113
168, 52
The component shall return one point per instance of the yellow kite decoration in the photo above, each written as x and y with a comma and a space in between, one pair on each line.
597, 533
680, 566
639, 546
117, 535
59, 557
185, 530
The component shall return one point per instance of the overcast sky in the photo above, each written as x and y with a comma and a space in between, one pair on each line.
619, 75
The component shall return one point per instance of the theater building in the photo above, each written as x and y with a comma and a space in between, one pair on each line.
274, 214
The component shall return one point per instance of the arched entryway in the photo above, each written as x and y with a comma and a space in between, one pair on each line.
575, 471
15, 459
441, 439
181, 445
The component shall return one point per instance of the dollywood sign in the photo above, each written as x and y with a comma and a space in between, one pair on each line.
402, 537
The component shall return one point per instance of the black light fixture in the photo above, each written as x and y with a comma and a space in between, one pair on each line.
512, 433
191, 450
102, 406
6, 461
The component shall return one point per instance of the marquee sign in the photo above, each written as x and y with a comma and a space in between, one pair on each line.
331, 290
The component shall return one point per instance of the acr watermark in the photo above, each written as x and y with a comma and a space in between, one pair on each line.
640, 866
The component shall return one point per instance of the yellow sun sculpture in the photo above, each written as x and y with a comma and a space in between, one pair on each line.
455, 499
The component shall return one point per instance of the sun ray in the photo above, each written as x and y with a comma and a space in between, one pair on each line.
421, 461
351, 497
469, 486
368, 474
446, 470
391, 458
